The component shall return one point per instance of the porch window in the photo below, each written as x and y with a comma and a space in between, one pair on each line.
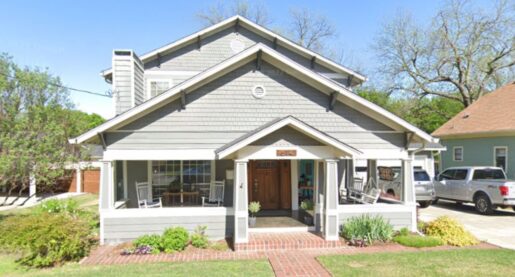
119, 181
196, 172
500, 155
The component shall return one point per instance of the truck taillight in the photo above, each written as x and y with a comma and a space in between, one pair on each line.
504, 190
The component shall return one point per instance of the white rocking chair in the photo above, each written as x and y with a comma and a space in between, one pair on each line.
364, 194
145, 199
216, 194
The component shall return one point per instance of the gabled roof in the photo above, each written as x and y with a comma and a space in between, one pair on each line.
260, 30
492, 114
277, 59
277, 124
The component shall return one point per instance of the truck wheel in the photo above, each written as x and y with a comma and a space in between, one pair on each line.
424, 204
483, 204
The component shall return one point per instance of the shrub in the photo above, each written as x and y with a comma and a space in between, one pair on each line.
421, 226
199, 239
403, 232
254, 208
306, 205
175, 239
450, 231
46, 239
417, 241
154, 241
366, 229
56, 206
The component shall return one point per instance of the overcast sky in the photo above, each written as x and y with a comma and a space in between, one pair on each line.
75, 39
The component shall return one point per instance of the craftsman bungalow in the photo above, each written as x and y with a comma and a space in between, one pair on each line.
236, 113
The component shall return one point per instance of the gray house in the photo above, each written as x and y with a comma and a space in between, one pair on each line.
236, 113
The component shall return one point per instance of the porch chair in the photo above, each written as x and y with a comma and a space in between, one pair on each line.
369, 193
145, 199
216, 194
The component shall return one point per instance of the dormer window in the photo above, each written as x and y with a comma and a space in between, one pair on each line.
156, 87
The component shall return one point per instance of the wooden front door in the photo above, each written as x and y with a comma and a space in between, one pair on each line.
270, 183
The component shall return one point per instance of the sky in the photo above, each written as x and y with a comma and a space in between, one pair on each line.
75, 39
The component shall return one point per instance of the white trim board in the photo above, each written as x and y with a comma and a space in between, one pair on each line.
237, 60
282, 41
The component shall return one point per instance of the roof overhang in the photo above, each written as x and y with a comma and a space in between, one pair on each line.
282, 41
275, 125
277, 59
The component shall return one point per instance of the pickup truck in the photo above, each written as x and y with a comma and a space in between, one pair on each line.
486, 187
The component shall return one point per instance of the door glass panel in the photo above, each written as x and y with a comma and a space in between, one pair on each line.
461, 174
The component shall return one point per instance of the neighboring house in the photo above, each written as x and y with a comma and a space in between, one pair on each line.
239, 104
483, 134
86, 175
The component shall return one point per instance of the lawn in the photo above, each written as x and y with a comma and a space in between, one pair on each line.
86, 201
253, 268
465, 262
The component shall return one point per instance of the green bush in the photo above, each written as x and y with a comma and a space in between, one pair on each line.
175, 239
367, 229
417, 241
403, 232
46, 239
450, 231
56, 206
307, 205
154, 241
199, 239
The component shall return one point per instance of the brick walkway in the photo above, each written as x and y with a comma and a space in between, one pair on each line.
298, 260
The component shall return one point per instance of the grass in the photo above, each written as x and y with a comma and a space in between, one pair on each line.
88, 202
418, 241
463, 262
253, 268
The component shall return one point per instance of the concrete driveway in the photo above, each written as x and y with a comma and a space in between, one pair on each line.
498, 229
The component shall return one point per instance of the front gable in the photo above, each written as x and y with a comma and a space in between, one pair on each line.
225, 109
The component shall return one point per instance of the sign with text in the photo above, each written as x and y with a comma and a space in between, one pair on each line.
286, 153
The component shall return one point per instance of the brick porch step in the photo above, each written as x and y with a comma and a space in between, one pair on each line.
286, 241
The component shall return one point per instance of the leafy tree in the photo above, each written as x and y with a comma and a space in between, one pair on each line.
463, 54
427, 113
35, 125
83, 122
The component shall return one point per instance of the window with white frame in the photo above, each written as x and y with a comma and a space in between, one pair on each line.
176, 173
156, 87
457, 154
501, 157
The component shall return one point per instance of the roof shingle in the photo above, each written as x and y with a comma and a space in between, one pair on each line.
494, 112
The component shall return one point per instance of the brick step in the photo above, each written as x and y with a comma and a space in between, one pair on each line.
286, 241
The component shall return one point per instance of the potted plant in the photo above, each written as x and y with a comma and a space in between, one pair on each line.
307, 206
254, 208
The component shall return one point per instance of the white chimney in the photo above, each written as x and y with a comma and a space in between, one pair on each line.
128, 80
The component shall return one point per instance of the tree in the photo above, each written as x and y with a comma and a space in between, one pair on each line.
34, 128
463, 54
427, 113
218, 12
306, 28
310, 30
83, 122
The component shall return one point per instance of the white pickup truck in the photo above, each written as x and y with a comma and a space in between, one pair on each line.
486, 187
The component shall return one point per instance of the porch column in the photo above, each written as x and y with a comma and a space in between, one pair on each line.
319, 195
331, 200
372, 171
106, 186
240, 204
78, 178
408, 189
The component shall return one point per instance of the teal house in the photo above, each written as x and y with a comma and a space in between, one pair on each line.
483, 134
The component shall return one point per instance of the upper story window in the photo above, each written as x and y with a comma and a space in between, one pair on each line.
500, 157
156, 87
457, 154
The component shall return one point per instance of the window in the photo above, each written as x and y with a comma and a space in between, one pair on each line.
457, 154
166, 173
194, 172
481, 174
501, 157
460, 174
120, 187
447, 175
421, 176
157, 87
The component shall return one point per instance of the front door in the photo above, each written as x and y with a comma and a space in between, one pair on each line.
270, 184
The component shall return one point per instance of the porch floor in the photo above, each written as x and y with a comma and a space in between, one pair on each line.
279, 219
